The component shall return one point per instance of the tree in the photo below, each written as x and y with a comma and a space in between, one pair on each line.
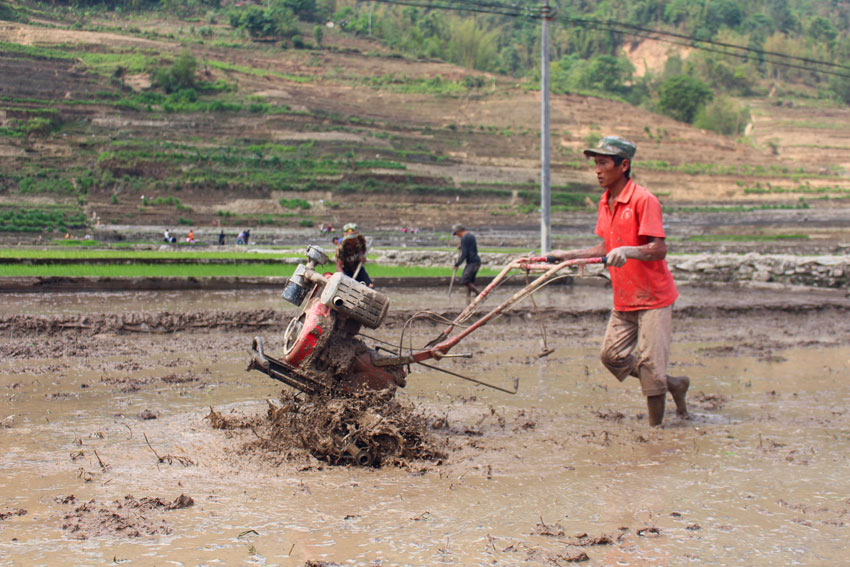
471, 46
304, 9
681, 96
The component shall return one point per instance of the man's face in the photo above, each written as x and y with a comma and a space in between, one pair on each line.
607, 173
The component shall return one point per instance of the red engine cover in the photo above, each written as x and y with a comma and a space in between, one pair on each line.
305, 333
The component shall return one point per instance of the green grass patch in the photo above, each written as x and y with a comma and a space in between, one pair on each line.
9, 48
224, 66
75, 242
137, 255
803, 188
746, 237
415, 85
737, 208
41, 219
142, 270
300, 204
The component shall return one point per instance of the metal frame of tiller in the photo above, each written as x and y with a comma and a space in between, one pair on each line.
442, 344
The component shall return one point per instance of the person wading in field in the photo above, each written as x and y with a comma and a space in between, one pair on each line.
469, 254
637, 340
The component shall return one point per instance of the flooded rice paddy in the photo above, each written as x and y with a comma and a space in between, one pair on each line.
107, 455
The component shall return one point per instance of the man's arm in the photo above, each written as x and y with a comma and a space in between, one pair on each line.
655, 249
464, 251
561, 255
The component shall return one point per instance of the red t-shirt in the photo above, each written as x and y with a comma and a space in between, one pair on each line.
636, 216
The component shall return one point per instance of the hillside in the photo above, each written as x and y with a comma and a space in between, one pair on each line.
287, 139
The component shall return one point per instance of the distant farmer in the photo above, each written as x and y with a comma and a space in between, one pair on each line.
221, 238
351, 254
191, 237
469, 254
637, 341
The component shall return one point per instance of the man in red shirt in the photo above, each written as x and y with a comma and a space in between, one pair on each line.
637, 341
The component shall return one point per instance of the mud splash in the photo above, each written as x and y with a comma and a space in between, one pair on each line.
366, 428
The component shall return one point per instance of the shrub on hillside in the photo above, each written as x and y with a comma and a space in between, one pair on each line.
724, 116
681, 97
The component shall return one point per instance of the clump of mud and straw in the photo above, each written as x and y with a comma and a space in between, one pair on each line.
365, 428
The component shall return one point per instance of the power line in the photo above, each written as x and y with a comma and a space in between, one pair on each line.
654, 35
478, 7
693, 39
516, 10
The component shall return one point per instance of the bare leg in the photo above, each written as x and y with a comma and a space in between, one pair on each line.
678, 388
655, 406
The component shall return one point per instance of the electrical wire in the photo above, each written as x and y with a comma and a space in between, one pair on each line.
483, 8
744, 55
515, 10
693, 39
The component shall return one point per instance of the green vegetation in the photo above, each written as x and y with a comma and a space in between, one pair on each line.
584, 60
204, 270
416, 85
744, 170
681, 96
138, 256
41, 219
300, 204
833, 191
746, 237
737, 208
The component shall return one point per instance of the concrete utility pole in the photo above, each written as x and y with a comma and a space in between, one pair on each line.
545, 175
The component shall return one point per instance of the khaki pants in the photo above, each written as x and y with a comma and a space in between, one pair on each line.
637, 343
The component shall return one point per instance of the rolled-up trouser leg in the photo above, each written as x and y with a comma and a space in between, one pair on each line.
637, 343
620, 340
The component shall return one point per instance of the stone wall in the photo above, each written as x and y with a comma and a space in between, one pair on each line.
815, 271
831, 271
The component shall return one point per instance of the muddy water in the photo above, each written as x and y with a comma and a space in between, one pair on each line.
757, 477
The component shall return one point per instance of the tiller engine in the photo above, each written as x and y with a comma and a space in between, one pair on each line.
322, 352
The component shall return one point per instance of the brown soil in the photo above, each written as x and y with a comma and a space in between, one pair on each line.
131, 517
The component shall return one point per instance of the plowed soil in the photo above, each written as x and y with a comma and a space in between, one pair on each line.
110, 432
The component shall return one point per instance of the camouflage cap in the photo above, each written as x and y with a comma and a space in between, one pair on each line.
457, 228
613, 146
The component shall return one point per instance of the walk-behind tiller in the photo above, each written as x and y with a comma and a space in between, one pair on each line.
322, 349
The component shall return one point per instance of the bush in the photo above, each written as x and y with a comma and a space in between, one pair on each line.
294, 204
724, 116
180, 75
306, 223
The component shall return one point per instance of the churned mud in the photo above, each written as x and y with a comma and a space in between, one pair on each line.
364, 428
126, 443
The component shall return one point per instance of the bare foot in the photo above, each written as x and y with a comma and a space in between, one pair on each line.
678, 388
